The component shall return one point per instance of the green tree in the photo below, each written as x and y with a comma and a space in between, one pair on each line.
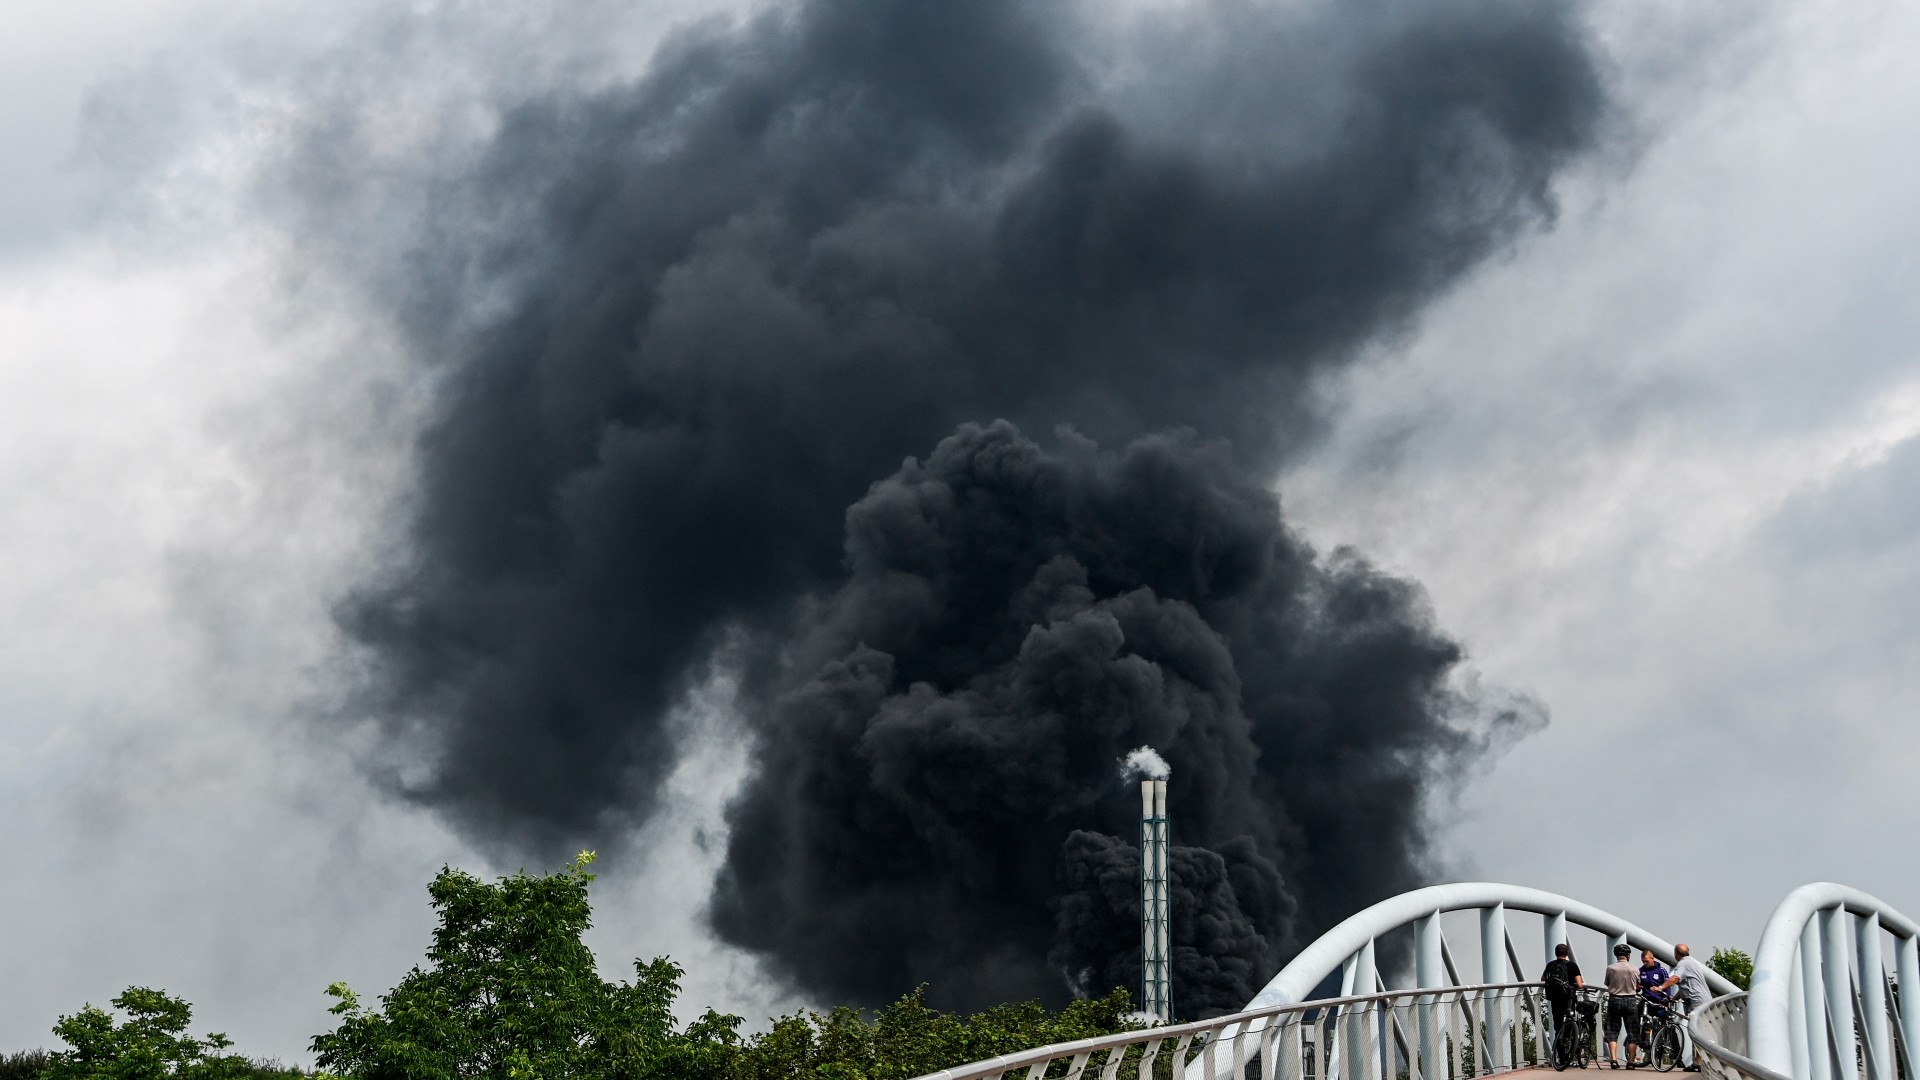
1733, 965
23, 1065
150, 1044
509, 992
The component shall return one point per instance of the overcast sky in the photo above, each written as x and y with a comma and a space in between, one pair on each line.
1656, 467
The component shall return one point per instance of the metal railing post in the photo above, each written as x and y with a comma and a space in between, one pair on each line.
1493, 933
1839, 986
1873, 998
1814, 983
1907, 970
1366, 1054
1429, 971
1797, 1015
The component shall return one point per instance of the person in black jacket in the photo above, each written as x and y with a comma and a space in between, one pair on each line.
1560, 978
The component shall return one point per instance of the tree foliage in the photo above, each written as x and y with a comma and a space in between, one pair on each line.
510, 991
908, 1039
1733, 965
25, 1065
150, 1044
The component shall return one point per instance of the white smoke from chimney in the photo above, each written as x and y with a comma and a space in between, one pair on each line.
1144, 762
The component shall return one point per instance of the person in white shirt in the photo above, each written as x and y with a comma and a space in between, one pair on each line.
1690, 975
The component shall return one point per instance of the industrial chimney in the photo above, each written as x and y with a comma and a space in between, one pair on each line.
1156, 937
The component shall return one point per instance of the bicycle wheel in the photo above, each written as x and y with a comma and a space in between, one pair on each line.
1586, 1043
1564, 1038
1666, 1047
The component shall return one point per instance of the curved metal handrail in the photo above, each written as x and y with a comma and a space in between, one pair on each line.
1251, 1022
1719, 1022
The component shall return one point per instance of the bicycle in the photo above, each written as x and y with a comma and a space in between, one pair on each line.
1663, 1038
1573, 1038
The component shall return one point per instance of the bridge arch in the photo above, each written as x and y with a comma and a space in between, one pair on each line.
1822, 1001
1818, 967
1349, 946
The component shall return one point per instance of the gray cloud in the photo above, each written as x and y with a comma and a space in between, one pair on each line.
1611, 454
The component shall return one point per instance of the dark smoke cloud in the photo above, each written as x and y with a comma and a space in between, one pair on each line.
1225, 946
680, 325
1013, 622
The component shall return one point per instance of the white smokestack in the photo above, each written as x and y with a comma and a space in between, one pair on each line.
1156, 924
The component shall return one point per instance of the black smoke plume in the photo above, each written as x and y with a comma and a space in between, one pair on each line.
937, 798
682, 324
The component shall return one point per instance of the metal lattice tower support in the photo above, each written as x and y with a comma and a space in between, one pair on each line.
1156, 936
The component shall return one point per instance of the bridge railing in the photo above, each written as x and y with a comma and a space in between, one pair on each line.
1450, 1033
1349, 948
1719, 1032
1825, 1005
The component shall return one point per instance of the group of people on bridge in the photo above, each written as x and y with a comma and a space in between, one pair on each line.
1637, 995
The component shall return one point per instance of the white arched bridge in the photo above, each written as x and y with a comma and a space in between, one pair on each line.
1825, 1000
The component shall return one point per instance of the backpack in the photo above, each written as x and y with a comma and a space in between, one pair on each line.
1556, 979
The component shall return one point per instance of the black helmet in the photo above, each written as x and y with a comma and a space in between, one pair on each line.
1623, 950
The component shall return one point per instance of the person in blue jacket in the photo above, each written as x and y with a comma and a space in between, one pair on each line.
1653, 987
1653, 978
